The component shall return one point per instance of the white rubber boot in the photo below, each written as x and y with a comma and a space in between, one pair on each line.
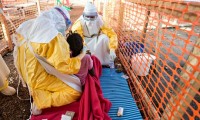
4, 74
8, 91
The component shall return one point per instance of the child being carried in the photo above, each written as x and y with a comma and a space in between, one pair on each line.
75, 42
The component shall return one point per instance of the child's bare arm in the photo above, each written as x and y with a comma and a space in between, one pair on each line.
91, 71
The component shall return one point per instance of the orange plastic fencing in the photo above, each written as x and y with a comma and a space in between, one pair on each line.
17, 11
159, 46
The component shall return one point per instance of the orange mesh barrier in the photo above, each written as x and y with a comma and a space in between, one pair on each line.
159, 46
17, 12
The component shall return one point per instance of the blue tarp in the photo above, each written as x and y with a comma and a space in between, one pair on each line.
116, 89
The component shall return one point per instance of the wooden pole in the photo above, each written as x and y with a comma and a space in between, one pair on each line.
38, 6
99, 6
159, 39
5, 29
121, 17
105, 11
145, 25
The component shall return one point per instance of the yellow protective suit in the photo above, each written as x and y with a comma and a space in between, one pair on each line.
4, 73
46, 89
113, 42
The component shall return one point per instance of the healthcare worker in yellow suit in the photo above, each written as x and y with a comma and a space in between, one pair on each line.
4, 73
100, 39
42, 57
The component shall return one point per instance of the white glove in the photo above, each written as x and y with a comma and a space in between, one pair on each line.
66, 117
112, 55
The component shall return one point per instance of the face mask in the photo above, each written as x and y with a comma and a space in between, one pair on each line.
91, 27
90, 18
90, 23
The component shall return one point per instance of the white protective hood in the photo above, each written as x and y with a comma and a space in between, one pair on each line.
90, 9
45, 27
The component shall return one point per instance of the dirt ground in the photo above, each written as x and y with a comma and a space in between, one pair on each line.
11, 107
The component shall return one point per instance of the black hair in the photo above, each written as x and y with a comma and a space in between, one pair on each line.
75, 42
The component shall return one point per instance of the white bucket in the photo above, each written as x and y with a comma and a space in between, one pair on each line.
141, 63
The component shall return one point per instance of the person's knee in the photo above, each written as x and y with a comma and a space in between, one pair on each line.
104, 38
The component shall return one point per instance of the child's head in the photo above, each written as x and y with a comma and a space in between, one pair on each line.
75, 42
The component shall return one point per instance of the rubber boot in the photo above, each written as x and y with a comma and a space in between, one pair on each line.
4, 74
8, 91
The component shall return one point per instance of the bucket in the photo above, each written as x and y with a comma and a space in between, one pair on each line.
141, 63
133, 47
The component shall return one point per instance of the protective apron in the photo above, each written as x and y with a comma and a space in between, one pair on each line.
95, 41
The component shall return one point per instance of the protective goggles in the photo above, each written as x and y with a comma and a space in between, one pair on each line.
90, 17
67, 20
